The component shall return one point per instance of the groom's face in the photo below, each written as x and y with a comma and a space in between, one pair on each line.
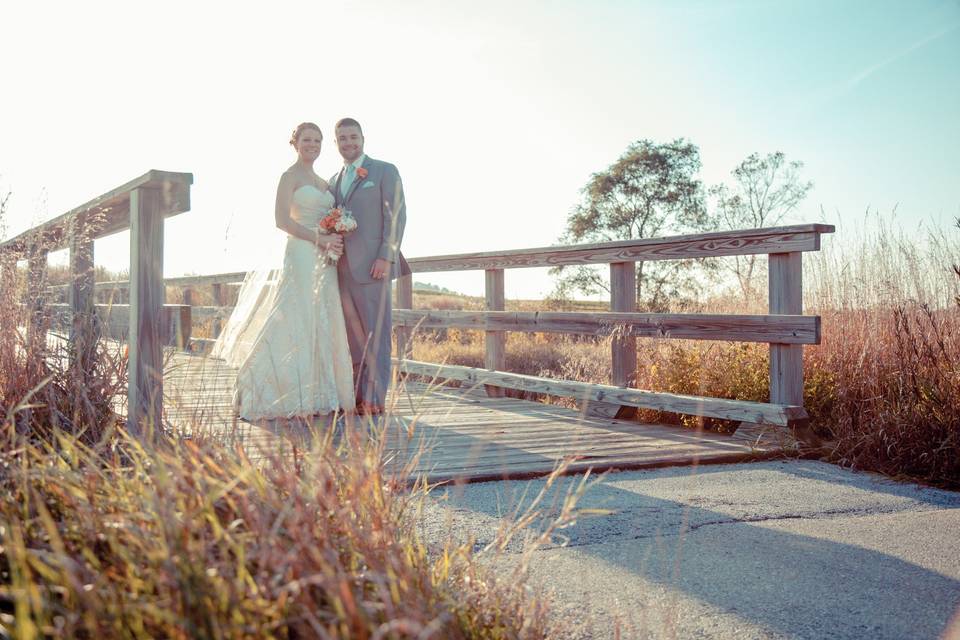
350, 142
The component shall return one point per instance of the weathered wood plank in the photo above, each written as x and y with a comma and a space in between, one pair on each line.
784, 329
36, 279
744, 411
786, 296
495, 354
109, 212
113, 321
145, 394
404, 302
804, 237
460, 436
623, 348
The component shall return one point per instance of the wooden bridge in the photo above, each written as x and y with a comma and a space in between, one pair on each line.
468, 432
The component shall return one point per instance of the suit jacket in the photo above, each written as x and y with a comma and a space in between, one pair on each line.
377, 203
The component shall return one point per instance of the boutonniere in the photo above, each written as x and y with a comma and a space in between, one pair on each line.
361, 173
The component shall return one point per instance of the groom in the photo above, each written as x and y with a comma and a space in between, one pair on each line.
372, 191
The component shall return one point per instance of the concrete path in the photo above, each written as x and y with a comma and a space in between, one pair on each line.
783, 549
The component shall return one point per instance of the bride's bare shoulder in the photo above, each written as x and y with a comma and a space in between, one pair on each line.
289, 176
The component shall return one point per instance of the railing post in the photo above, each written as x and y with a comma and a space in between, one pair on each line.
145, 368
786, 297
623, 298
404, 301
36, 285
8, 288
217, 293
495, 356
80, 292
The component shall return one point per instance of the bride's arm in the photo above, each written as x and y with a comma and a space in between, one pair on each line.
285, 221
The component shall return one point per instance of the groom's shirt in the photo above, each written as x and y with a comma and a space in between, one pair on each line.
348, 175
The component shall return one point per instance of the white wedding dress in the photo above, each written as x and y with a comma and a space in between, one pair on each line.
287, 335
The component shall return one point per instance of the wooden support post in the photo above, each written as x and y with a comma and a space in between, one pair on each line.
495, 357
404, 301
188, 296
217, 292
623, 298
8, 289
786, 297
80, 293
623, 350
36, 285
145, 368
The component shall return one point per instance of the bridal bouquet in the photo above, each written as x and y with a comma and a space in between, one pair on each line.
337, 221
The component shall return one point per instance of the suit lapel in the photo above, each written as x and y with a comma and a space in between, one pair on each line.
337, 198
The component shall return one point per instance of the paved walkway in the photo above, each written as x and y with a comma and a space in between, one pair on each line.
776, 549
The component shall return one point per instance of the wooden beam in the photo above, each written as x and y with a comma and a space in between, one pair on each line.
8, 289
108, 213
36, 278
113, 321
786, 296
741, 410
623, 347
83, 330
785, 329
145, 393
805, 237
404, 302
495, 341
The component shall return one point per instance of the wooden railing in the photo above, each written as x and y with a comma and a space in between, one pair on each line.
784, 327
140, 206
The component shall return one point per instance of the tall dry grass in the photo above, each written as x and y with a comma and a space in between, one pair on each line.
890, 358
192, 540
883, 387
105, 536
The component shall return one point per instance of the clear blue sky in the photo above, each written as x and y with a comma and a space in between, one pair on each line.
496, 113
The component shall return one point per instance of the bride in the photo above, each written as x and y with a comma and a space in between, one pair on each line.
287, 335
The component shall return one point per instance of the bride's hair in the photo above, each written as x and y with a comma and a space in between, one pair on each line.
303, 126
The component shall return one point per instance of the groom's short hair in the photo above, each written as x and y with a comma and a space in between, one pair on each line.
347, 122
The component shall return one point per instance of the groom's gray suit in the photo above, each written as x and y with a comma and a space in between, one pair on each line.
377, 203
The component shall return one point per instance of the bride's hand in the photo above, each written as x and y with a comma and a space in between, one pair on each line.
332, 243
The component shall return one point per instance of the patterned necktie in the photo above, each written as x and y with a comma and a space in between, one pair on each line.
347, 179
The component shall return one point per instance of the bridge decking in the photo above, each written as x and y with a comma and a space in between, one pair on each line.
465, 435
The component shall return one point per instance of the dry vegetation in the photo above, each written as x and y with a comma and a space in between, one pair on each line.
104, 536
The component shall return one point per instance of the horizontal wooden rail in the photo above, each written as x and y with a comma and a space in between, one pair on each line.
740, 410
106, 214
782, 329
232, 278
175, 324
789, 239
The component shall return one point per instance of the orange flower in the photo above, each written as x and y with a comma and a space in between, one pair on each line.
361, 173
329, 221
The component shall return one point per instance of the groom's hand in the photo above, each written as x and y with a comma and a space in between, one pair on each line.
379, 269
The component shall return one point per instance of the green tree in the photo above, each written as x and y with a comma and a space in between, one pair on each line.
651, 190
765, 190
